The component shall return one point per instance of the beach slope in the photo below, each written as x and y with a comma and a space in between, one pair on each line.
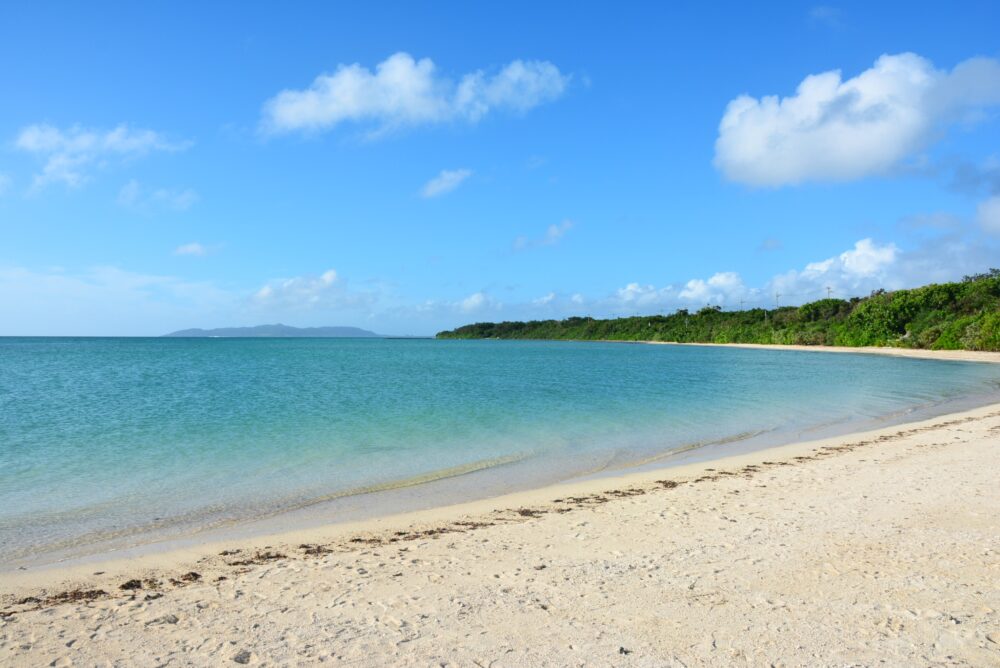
878, 547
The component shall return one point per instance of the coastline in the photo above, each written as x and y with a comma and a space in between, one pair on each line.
647, 448
173, 552
915, 353
768, 542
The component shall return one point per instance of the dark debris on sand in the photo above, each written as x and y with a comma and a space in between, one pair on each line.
313, 550
258, 558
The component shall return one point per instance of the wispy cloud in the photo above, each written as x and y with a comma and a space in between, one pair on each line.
5, 184
480, 302
535, 161
110, 300
545, 300
938, 220
403, 92
553, 235
134, 196
826, 15
69, 154
103, 300
445, 182
988, 215
193, 248
976, 178
839, 130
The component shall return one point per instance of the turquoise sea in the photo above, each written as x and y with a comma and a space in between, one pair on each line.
109, 441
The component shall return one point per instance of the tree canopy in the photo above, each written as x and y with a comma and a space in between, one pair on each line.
961, 315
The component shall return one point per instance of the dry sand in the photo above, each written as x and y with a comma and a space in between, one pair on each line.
954, 355
877, 548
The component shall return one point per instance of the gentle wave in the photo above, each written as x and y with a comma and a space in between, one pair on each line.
197, 523
111, 441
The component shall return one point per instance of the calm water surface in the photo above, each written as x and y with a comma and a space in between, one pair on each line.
126, 439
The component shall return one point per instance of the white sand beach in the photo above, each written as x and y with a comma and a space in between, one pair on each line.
363, 334
875, 548
916, 353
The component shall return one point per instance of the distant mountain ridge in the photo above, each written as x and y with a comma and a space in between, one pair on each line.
275, 331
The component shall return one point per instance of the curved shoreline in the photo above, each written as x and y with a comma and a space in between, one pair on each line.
102, 570
324, 515
857, 549
178, 549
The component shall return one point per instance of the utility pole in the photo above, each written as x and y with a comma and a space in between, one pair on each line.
741, 303
777, 296
828, 291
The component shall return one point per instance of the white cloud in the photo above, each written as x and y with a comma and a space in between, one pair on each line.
544, 301
302, 293
868, 266
474, 302
553, 235
301, 289
838, 130
722, 288
445, 182
868, 258
478, 301
134, 196
68, 154
193, 248
5, 184
635, 294
406, 92
865, 267
988, 215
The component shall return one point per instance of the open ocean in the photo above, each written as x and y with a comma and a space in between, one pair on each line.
109, 441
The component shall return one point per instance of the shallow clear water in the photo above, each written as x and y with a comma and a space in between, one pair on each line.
106, 438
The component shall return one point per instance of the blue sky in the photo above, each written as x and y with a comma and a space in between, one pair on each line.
411, 167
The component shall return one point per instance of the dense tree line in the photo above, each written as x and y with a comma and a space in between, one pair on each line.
963, 315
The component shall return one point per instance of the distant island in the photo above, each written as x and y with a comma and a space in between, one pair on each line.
277, 331
946, 316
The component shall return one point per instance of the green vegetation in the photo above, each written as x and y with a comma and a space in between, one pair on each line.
963, 315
